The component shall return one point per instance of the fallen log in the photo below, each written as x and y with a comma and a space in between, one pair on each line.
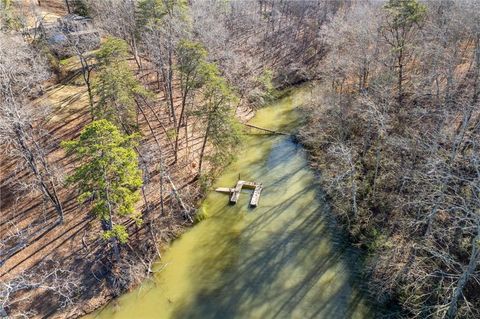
265, 129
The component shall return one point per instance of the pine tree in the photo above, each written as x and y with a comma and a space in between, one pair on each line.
190, 57
116, 85
221, 127
108, 176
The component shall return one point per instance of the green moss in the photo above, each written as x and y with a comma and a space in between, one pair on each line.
171, 133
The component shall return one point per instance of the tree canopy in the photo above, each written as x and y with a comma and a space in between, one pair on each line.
108, 176
116, 85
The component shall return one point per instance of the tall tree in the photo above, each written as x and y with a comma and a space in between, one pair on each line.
116, 85
163, 24
118, 18
216, 110
422, 224
108, 176
403, 19
80, 47
190, 57
22, 71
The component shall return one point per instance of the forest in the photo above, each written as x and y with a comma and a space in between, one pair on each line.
117, 116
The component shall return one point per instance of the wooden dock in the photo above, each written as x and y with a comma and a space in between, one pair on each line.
235, 195
235, 192
256, 195
224, 190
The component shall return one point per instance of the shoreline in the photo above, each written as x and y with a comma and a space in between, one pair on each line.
244, 114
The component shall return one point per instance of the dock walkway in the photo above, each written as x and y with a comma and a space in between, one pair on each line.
235, 192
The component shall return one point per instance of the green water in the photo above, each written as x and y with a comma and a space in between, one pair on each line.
283, 259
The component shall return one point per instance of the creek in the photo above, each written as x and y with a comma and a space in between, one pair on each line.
286, 258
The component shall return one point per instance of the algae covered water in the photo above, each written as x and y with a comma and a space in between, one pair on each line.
283, 259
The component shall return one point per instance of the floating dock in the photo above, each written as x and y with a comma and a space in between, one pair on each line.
235, 192
256, 195
235, 195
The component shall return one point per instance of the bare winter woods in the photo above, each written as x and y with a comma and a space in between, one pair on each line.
115, 116
394, 131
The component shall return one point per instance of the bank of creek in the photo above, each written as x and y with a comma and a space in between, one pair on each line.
283, 259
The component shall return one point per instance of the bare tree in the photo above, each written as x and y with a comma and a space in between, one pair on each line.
118, 18
163, 27
81, 47
48, 276
415, 187
21, 73
401, 24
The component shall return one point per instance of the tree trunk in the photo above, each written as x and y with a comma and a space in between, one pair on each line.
202, 152
182, 111
158, 120
135, 52
170, 70
400, 78
86, 72
378, 157
174, 188
109, 223
68, 6
90, 100
170, 91
162, 209
465, 277
144, 162
32, 163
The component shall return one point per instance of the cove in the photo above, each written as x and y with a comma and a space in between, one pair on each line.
284, 259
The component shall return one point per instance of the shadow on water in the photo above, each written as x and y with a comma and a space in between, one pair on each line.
286, 262
284, 259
